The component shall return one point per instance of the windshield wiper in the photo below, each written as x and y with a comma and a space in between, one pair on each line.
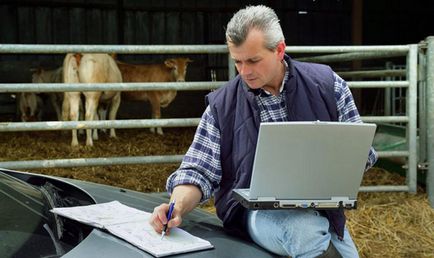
53, 200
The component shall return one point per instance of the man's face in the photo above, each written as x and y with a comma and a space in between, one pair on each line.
258, 66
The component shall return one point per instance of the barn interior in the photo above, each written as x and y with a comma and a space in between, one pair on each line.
383, 226
191, 22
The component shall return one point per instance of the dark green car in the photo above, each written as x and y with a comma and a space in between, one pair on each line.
28, 229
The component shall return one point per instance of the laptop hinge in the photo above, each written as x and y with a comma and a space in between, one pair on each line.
266, 199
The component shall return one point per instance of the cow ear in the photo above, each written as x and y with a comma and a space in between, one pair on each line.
189, 60
171, 63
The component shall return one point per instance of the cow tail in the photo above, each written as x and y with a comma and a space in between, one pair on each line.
70, 69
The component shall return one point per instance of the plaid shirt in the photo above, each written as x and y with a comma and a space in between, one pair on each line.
201, 164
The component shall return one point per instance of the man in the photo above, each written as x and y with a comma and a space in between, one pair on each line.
270, 87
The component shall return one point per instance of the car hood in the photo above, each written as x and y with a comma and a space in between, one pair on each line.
198, 222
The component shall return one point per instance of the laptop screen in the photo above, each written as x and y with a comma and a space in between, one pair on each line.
310, 160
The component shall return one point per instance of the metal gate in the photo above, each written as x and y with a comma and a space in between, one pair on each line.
331, 55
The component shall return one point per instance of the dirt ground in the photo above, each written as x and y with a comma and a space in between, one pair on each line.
384, 225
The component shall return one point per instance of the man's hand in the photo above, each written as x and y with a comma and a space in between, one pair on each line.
159, 218
187, 198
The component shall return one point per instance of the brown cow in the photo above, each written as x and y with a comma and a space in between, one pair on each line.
171, 70
90, 68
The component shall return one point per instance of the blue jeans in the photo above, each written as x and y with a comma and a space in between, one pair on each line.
296, 233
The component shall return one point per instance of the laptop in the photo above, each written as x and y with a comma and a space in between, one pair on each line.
308, 164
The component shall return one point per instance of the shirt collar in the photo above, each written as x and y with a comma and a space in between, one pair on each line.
285, 78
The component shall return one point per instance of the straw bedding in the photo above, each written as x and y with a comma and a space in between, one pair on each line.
384, 225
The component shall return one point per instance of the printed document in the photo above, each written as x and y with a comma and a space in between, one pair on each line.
132, 225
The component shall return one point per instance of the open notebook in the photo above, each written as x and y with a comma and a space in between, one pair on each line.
308, 164
132, 225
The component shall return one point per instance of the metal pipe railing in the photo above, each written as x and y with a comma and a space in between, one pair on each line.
373, 73
136, 123
102, 124
430, 117
182, 86
343, 49
133, 86
345, 57
179, 49
119, 49
362, 52
411, 111
109, 161
89, 162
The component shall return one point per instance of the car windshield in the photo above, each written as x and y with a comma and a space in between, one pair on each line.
27, 227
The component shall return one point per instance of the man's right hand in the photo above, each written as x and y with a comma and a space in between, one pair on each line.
159, 218
187, 198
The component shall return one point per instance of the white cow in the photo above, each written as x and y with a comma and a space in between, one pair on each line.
30, 106
90, 68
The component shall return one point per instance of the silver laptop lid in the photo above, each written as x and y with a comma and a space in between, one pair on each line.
310, 160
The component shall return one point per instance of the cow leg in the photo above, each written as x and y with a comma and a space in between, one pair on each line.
72, 99
114, 106
80, 115
91, 109
156, 112
102, 115
95, 130
55, 103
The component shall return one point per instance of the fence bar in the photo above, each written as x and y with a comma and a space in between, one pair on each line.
422, 156
385, 188
135, 123
120, 49
184, 86
411, 111
378, 84
343, 49
373, 73
344, 57
89, 162
148, 86
178, 49
103, 124
387, 119
430, 118
390, 154
231, 67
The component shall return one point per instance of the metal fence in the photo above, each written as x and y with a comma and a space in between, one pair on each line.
428, 116
330, 54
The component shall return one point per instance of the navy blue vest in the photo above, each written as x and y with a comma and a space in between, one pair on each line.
309, 97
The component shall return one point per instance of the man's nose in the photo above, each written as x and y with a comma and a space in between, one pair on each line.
245, 69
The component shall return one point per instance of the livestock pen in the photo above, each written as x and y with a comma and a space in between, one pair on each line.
86, 157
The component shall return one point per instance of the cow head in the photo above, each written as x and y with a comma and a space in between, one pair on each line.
36, 75
179, 67
29, 105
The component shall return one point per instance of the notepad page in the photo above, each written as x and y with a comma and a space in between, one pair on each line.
102, 214
143, 236
133, 226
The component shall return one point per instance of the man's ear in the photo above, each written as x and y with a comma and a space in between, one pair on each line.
281, 49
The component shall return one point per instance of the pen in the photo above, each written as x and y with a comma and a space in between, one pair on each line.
169, 216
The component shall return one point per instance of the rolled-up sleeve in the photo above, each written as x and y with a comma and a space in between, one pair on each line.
201, 164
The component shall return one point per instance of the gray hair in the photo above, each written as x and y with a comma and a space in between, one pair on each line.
258, 17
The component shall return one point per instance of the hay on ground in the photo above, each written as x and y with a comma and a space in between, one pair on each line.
384, 225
